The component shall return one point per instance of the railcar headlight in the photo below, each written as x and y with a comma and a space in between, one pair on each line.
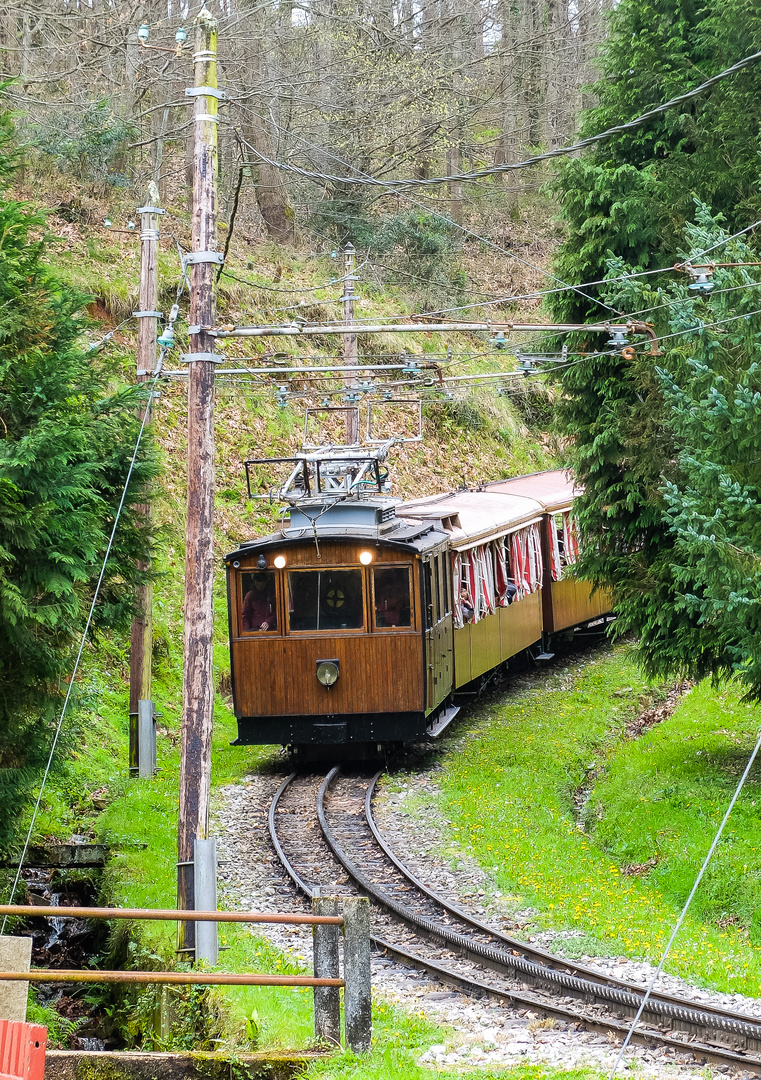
328, 671
365, 557
280, 561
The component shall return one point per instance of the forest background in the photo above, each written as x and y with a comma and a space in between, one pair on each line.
414, 92
362, 123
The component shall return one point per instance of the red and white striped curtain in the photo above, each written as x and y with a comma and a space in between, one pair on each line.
570, 537
557, 561
526, 559
474, 571
482, 562
501, 571
456, 586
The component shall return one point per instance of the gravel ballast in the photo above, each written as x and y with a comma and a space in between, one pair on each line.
479, 1033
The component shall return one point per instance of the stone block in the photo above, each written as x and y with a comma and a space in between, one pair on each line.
15, 955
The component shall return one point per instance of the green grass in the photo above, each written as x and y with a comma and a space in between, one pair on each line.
390, 1059
509, 793
663, 799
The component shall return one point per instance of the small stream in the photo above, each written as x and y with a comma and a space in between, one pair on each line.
61, 943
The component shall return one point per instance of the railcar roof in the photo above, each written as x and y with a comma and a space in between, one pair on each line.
471, 517
412, 536
553, 490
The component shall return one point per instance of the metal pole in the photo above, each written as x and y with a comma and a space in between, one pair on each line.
198, 684
141, 637
350, 341
146, 730
205, 886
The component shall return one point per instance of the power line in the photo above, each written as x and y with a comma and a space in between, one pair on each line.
371, 181
82, 644
438, 214
688, 901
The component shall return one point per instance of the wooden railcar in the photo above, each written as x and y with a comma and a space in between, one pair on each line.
359, 620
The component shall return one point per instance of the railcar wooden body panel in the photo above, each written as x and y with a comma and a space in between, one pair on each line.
405, 603
574, 602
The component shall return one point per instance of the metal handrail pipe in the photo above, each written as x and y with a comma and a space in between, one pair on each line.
306, 370
167, 978
27, 911
295, 330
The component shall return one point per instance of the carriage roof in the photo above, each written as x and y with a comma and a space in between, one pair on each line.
554, 490
474, 517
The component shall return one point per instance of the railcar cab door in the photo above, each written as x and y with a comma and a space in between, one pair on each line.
439, 630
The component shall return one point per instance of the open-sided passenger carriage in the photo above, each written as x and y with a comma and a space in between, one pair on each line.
362, 617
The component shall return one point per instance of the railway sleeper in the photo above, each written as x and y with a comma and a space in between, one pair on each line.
501, 959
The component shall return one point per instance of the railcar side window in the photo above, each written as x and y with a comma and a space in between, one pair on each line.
325, 600
391, 591
259, 611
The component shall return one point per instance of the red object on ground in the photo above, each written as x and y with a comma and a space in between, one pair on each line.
22, 1050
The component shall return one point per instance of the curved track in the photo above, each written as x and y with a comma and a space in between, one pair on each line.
326, 837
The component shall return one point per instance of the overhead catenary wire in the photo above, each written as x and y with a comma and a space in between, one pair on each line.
303, 289
494, 170
443, 217
83, 641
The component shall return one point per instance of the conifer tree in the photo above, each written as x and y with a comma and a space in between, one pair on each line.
67, 433
630, 196
668, 450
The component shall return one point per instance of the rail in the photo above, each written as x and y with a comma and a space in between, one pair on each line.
353, 921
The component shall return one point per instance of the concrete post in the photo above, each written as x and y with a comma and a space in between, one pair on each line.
327, 999
205, 891
358, 1020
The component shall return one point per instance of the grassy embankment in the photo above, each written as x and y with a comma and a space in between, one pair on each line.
529, 768
618, 870
483, 437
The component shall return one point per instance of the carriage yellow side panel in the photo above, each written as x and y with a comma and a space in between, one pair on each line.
520, 624
484, 645
462, 673
573, 602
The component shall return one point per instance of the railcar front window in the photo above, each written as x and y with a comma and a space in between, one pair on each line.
325, 600
259, 611
391, 588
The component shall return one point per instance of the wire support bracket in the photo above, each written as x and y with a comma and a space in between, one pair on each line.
213, 358
212, 118
192, 257
148, 314
150, 234
205, 91
150, 210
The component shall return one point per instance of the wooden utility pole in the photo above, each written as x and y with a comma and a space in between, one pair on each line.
141, 638
198, 682
350, 340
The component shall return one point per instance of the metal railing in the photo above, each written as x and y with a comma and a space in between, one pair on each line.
353, 920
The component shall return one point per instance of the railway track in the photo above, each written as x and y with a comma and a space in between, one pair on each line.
325, 835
